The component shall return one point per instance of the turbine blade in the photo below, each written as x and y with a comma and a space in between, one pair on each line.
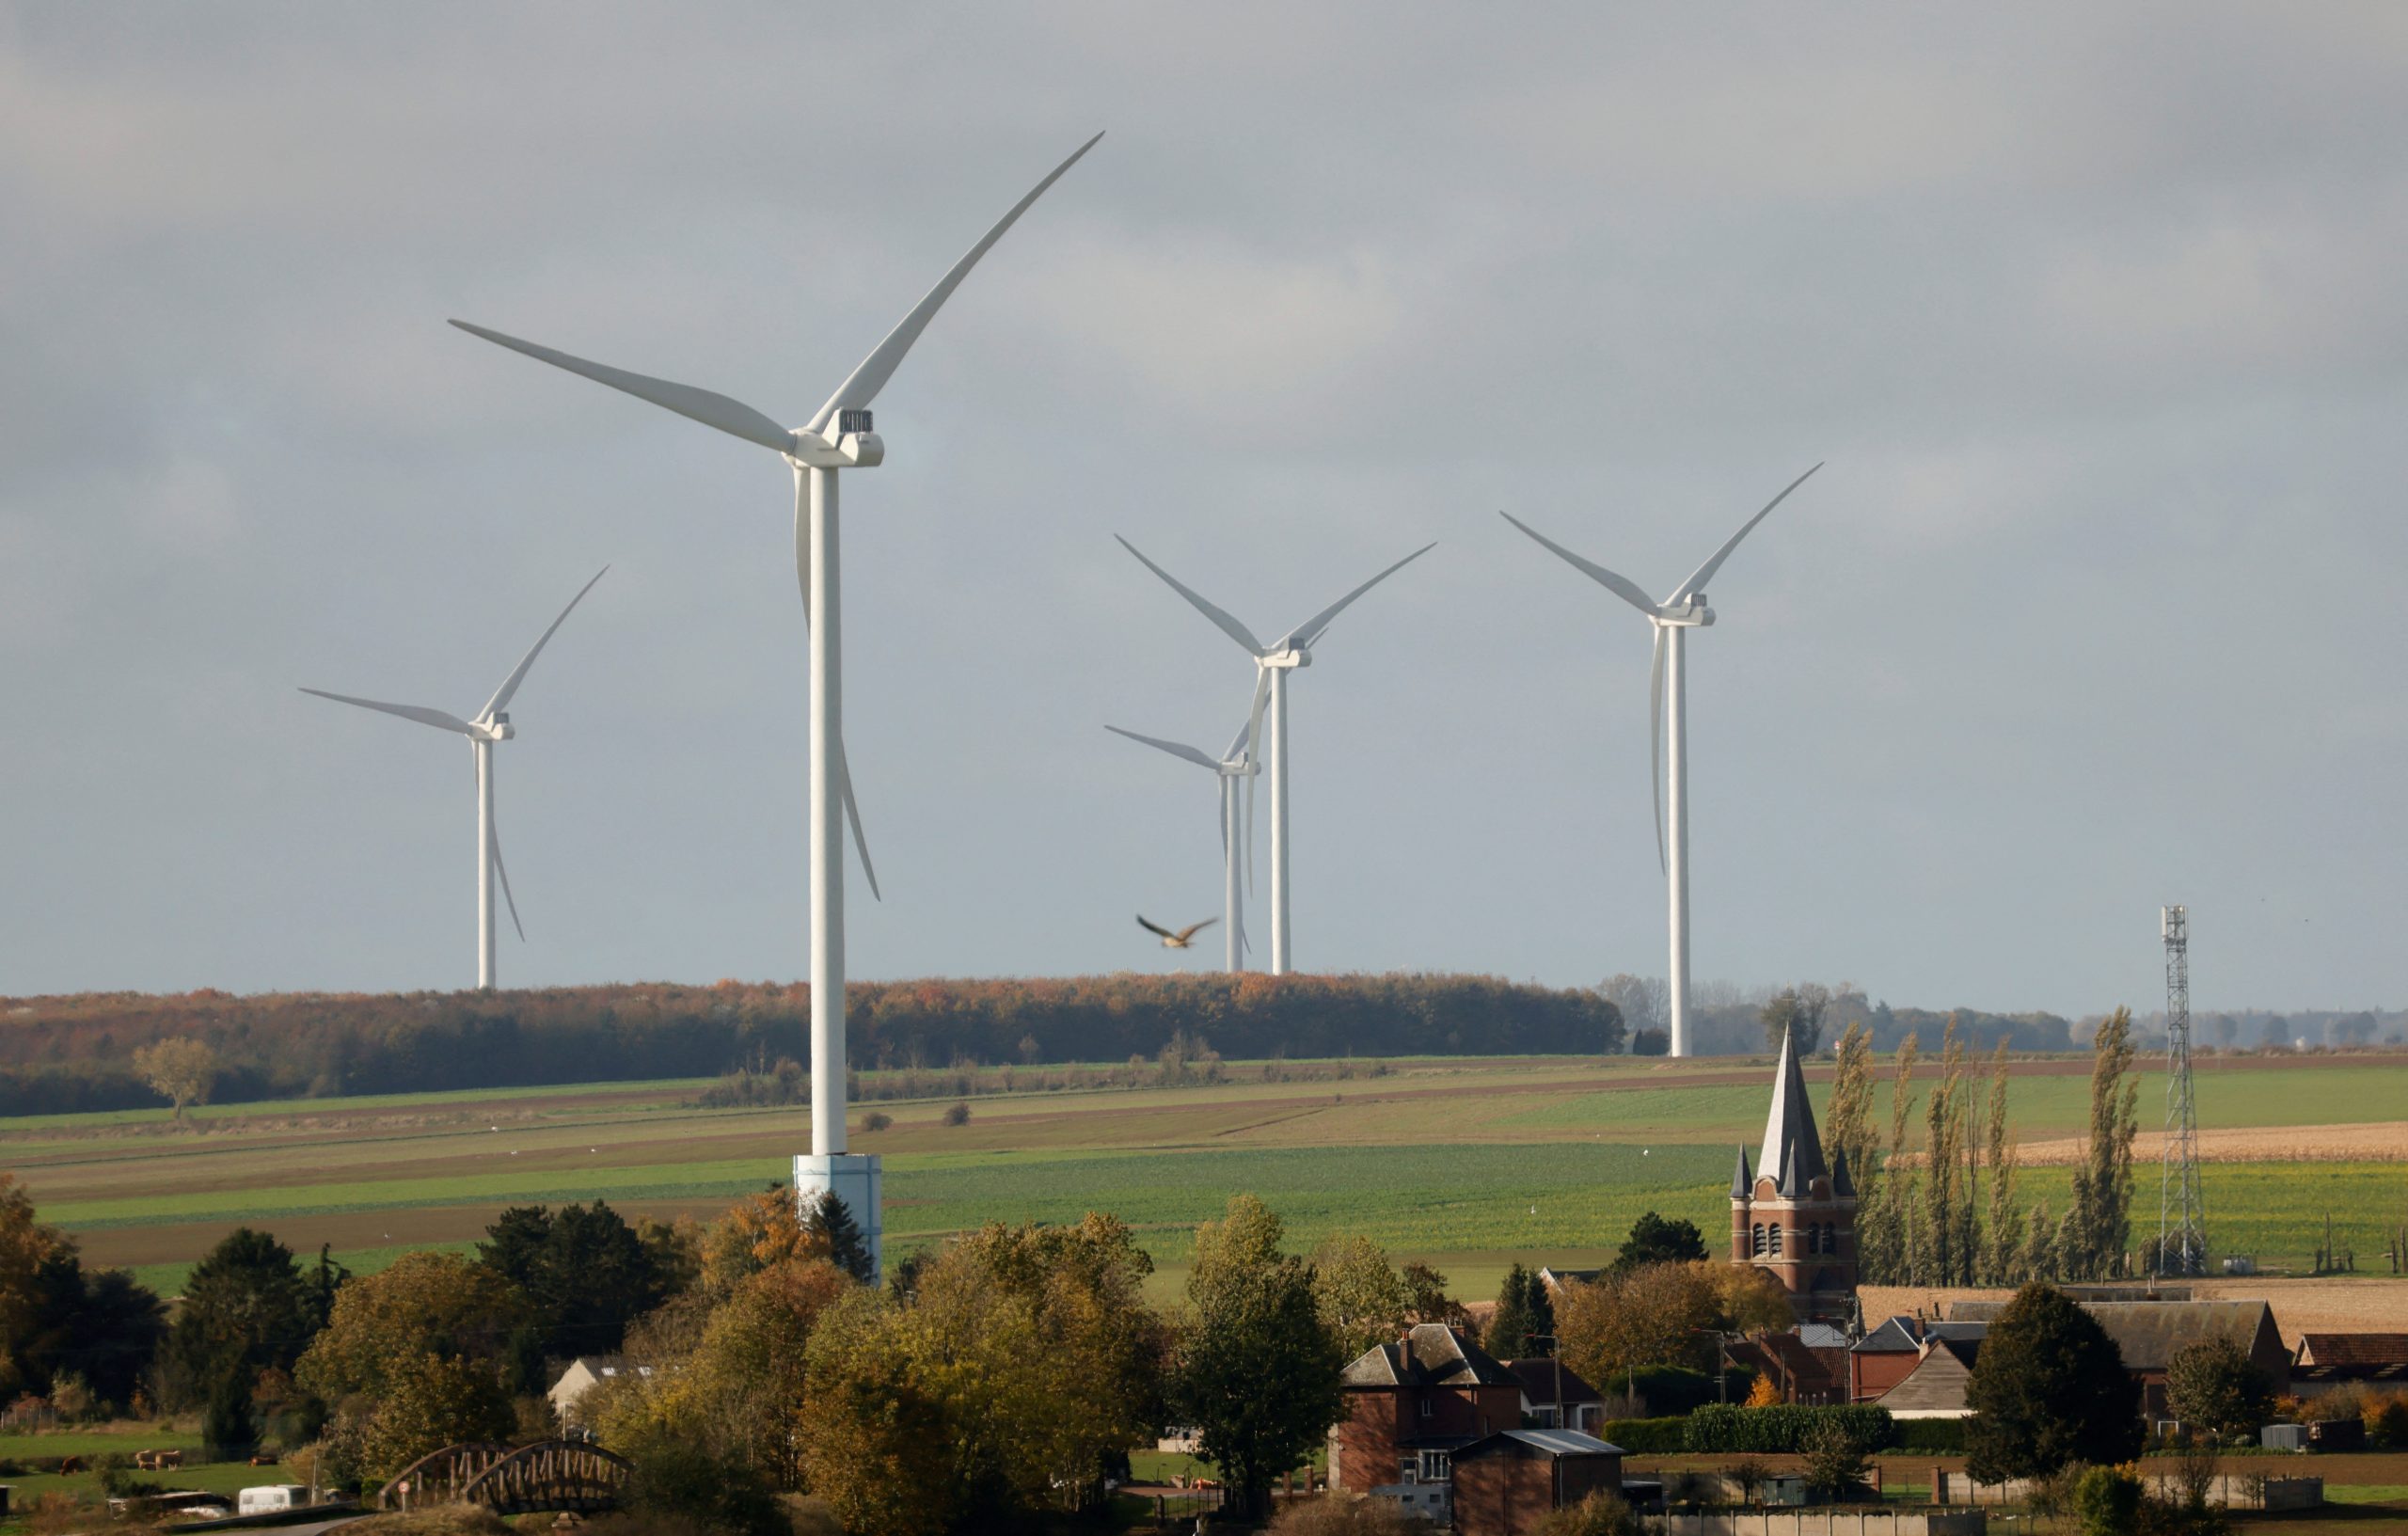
500, 699
435, 718
1656, 746
1174, 748
711, 410
503, 870
1705, 573
1254, 715
853, 815
1228, 624
1310, 630
1620, 586
862, 384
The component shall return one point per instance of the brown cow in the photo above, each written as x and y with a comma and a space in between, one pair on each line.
68, 1464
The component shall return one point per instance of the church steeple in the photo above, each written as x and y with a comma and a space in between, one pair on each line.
1792, 1153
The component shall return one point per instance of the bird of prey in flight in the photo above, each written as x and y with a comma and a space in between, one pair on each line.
1181, 940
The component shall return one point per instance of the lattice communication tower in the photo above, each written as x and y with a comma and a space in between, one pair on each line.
2181, 1238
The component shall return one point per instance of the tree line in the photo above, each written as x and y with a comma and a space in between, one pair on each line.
76, 1053
1924, 1215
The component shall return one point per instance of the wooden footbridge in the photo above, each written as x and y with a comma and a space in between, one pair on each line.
548, 1474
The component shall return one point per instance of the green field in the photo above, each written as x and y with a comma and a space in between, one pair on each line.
1468, 1162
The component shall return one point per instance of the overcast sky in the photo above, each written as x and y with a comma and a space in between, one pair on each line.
2096, 314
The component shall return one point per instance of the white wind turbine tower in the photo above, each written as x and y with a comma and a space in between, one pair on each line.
1272, 664
1231, 767
837, 437
491, 725
1684, 611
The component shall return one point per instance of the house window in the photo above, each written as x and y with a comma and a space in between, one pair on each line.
1429, 1408
1776, 1240
1433, 1466
1758, 1235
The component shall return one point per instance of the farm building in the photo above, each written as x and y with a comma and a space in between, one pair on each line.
582, 1375
1794, 1215
1508, 1483
2149, 1334
1808, 1365
1935, 1388
2326, 1361
1410, 1405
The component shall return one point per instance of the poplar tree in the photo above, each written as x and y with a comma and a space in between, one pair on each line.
2099, 1227
2006, 1229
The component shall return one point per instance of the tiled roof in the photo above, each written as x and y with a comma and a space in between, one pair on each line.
1432, 1354
2358, 1350
2149, 1334
1538, 1378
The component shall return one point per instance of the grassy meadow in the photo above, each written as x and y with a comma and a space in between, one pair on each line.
1467, 1163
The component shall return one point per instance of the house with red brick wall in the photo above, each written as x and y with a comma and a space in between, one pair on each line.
1507, 1483
1410, 1405
1793, 1214
1890, 1354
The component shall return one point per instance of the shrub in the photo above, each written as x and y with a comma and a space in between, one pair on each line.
958, 1114
1717, 1430
1835, 1458
877, 1119
1646, 1436
1599, 1515
1677, 1389
2107, 1502
1340, 1513
2388, 1423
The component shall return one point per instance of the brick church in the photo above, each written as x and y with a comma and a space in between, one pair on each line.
1794, 1216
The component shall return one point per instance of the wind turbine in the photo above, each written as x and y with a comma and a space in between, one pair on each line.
490, 725
1231, 767
1672, 618
838, 437
1272, 665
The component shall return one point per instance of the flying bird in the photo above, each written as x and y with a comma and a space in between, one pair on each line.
1181, 940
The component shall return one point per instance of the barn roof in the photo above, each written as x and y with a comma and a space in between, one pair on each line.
1549, 1443
2149, 1334
2359, 1351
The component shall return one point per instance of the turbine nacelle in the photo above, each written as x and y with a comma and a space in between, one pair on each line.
855, 447
1287, 660
496, 728
1691, 614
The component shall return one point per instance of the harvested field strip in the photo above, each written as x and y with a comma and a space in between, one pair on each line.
2376, 1141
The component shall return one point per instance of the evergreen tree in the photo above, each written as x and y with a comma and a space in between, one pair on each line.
1655, 1241
1511, 1324
2048, 1389
245, 1308
225, 1428
583, 1271
828, 1225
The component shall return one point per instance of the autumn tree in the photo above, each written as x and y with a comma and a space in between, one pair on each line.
1948, 1239
1658, 1314
1028, 1350
436, 1303
24, 1243
1886, 1237
2213, 1386
1361, 1299
738, 1392
754, 1234
2004, 1256
428, 1402
179, 1069
1256, 1373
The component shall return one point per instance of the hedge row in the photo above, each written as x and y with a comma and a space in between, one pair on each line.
1716, 1429
1939, 1436
1646, 1436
